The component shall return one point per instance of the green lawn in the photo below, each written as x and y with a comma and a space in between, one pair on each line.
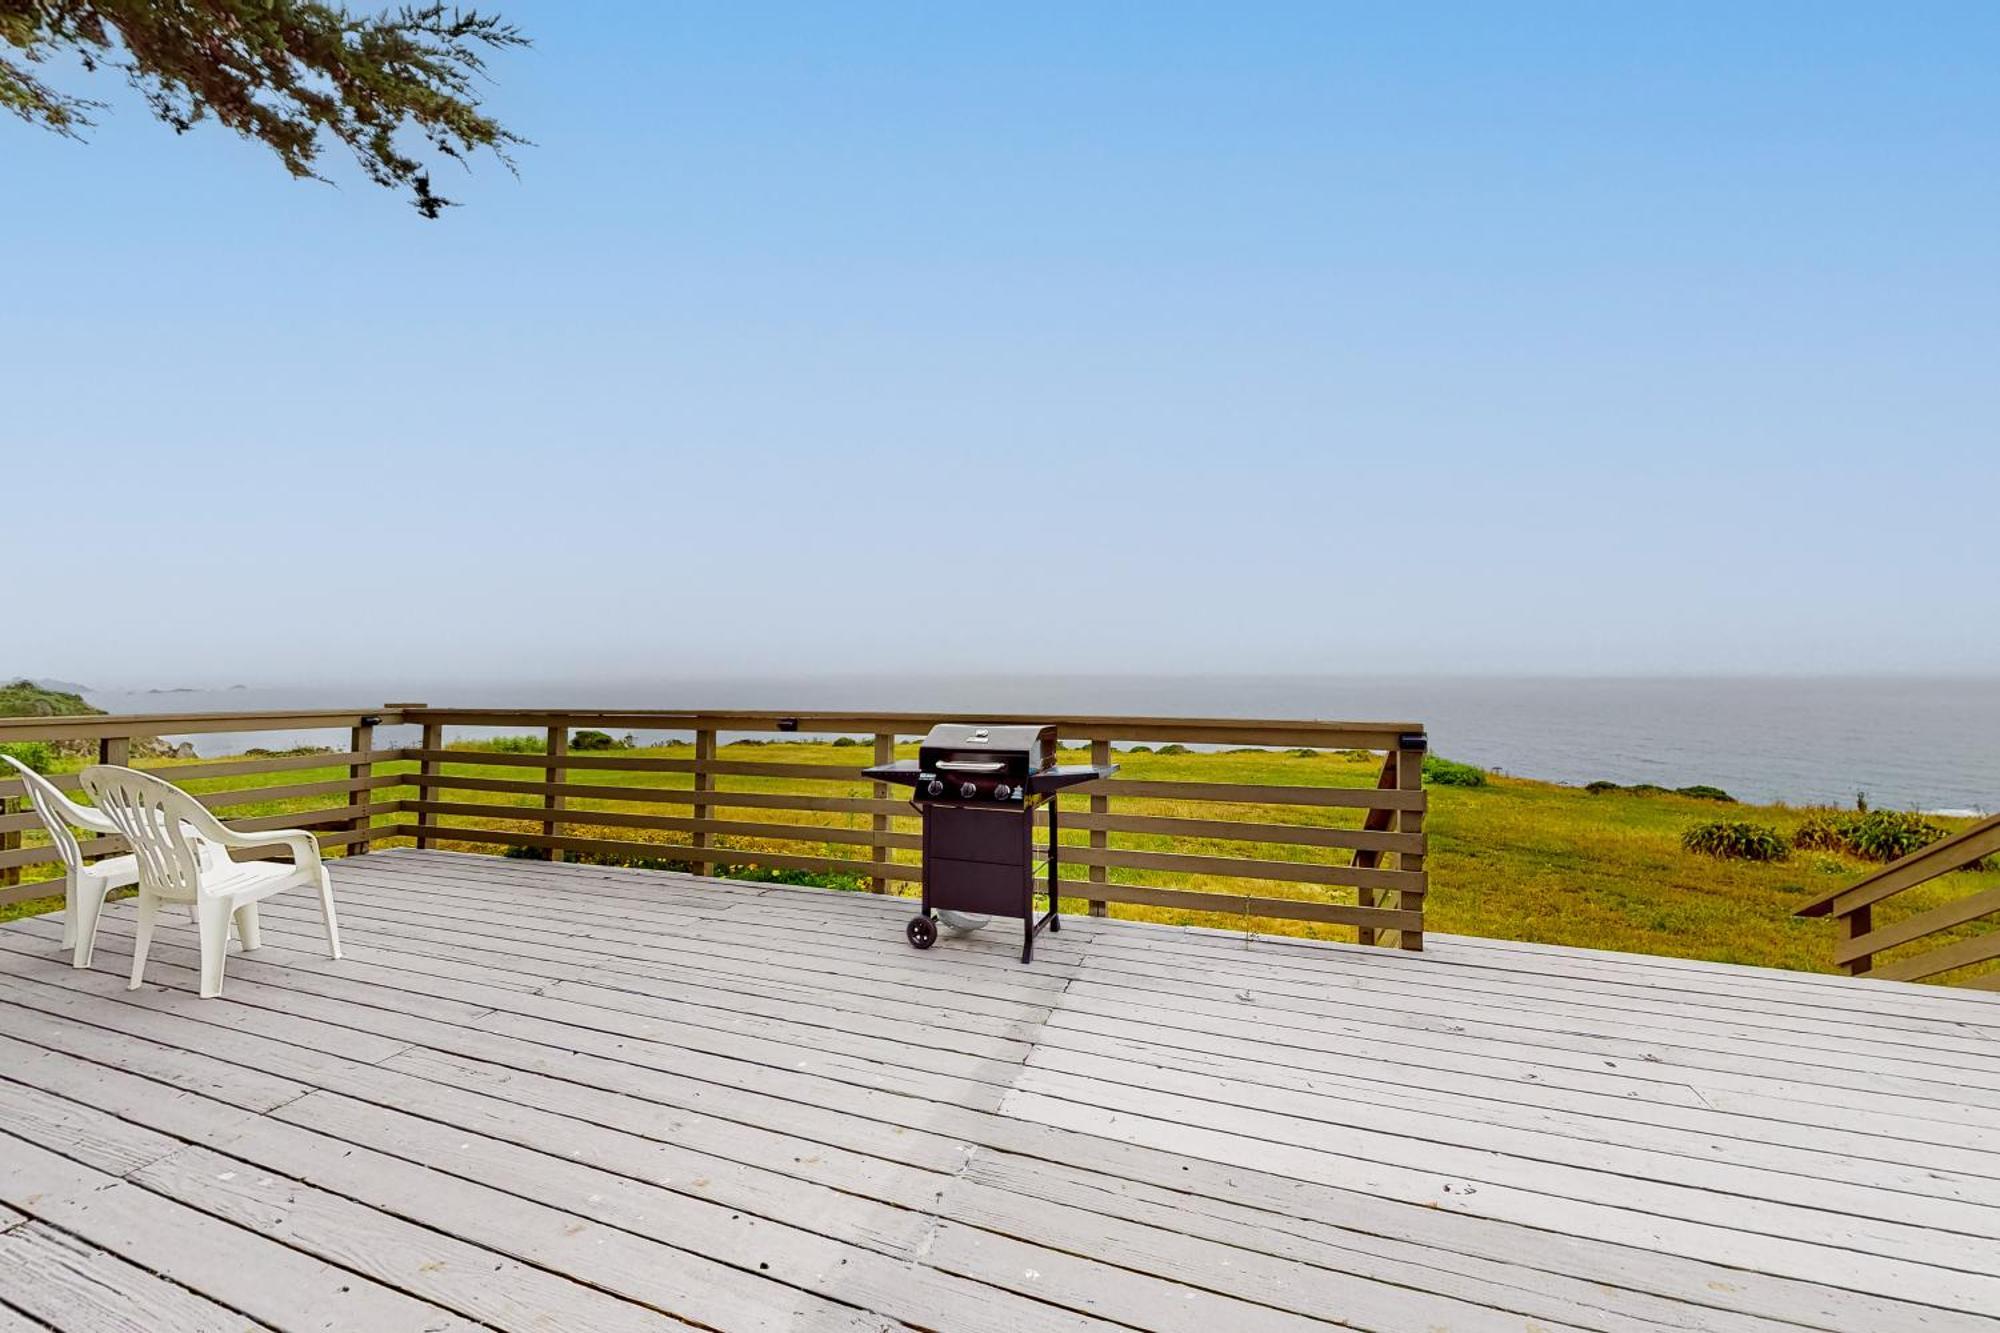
1515, 859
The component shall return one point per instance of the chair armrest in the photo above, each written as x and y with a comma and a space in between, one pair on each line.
305, 847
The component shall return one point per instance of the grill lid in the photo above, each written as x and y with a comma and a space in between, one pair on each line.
997, 740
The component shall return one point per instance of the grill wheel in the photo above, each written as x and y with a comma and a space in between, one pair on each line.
922, 931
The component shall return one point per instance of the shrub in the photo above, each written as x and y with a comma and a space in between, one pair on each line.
1886, 835
1599, 787
812, 879
38, 755
1138, 749
515, 745
591, 740
1441, 772
1174, 749
1872, 835
842, 741
1736, 840
1823, 831
1701, 792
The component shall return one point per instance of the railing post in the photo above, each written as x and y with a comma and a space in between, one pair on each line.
1100, 757
704, 754
558, 746
362, 739
1852, 926
429, 768
1410, 778
115, 750
10, 840
1377, 820
885, 752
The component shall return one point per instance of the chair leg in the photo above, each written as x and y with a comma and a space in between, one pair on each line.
89, 906
69, 910
248, 931
149, 907
214, 928
326, 910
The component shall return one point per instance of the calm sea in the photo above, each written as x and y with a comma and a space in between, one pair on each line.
1912, 743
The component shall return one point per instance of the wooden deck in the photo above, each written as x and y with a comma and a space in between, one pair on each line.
540, 1097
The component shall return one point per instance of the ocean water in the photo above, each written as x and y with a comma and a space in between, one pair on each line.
1930, 744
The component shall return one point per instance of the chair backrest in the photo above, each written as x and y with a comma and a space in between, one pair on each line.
57, 811
163, 824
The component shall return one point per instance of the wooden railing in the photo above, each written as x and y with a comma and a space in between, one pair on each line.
1859, 939
1285, 852
345, 822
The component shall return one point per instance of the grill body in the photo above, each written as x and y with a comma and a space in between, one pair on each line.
978, 788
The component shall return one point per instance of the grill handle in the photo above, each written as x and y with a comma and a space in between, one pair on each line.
971, 766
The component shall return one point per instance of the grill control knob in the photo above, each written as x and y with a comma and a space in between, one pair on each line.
1002, 792
968, 790
936, 787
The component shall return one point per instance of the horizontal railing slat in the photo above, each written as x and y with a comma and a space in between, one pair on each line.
1918, 926
759, 800
675, 851
575, 760
1276, 733
1241, 867
1963, 953
1245, 793
1226, 830
299, 819
72, 780
98, 726
1236, 904
668, 823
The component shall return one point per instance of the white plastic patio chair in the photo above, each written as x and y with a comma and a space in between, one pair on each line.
84, 883
166, 828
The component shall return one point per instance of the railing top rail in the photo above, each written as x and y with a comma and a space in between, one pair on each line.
1941, 857
96, 726
1362, 735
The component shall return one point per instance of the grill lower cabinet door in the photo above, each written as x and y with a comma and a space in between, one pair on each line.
986, 887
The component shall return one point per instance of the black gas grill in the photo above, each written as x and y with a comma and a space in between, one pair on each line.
978, 788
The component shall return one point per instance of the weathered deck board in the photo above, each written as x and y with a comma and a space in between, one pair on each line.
541, 1095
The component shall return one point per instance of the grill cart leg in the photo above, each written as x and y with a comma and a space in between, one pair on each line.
1055, 903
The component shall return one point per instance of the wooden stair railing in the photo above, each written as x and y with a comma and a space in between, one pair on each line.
1859, 939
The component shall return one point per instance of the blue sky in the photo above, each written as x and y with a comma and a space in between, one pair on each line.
1316, 338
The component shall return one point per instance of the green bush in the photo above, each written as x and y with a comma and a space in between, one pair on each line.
845, 740
38, 755
1599, 787
514, 745
812, 879
1442, 772
1736, 840
1701, 792
1138, 749
591, 740
1174, 749
1823, 831
1871, 835
1887, 835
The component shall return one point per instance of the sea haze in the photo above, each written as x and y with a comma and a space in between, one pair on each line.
1931, 744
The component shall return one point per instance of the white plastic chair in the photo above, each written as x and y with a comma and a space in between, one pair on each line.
166, 828
84, 883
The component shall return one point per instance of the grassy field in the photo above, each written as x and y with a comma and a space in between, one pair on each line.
1515, 859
